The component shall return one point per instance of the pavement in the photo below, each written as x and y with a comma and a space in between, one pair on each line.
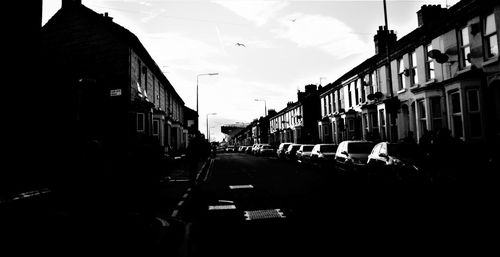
37, 218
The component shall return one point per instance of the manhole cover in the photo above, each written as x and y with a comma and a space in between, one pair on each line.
264, 214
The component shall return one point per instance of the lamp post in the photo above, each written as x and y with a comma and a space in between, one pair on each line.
197, 80
208, 136
265, 106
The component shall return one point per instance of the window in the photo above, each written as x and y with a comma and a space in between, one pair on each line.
140, 122
375, 83
474, 113
374, 124
156, 127
334, 109
422, 118
356, 93
429, 64
456, 114
464, 47
436, 113
349, 95
324, 106
329, 103
413, 69
382, 124
362, 87
490, 37
339, 99
401, 74
365, 120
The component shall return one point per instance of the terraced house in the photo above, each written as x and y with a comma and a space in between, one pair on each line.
105, 84
444, 74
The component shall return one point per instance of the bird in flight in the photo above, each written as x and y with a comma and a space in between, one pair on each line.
293, 20
240, 44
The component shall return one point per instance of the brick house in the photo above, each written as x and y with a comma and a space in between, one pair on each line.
104, 84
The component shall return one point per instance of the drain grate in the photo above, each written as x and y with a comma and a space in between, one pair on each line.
240, 186
264, 214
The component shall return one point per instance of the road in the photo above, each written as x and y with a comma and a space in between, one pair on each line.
321, 212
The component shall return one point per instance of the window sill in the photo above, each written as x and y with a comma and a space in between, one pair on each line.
402, 91
414, 86
430, 82
490, 61
464, 70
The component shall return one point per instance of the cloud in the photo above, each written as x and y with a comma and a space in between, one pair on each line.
175, 46
151, 15
327, 33
258, 12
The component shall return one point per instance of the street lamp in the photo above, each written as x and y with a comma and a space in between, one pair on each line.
265, 106
197, 79
208, 136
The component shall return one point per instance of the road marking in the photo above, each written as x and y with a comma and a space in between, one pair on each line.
208, 170
174, 213
226, 201
180, 180
240, 186
221, 207
180, 203
185, 195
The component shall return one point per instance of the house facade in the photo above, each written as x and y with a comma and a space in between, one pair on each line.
105, 85
444, 74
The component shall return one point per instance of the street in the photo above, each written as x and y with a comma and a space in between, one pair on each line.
319, 213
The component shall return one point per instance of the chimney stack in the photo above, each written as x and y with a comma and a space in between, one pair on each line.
429, 13
383, 38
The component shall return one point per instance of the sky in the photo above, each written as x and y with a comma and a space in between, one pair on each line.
287, 45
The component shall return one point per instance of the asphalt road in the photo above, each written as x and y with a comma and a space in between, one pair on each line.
321, 213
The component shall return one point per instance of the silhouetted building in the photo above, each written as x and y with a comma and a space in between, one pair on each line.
297, 122
104, 85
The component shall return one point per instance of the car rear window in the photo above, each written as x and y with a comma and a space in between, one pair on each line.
328, 148
360, 147
266, 147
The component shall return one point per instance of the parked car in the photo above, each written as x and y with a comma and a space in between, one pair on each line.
255, 149
280, 152
248, 149
352, 155
290, 152
323, 155
230, 148
304, 153
396, 162
265, 150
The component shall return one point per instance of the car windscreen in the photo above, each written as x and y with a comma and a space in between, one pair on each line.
403, 150
295, 147
328, 148
360, 147
307, 148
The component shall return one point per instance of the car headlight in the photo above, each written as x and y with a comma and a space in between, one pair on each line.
395, 161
